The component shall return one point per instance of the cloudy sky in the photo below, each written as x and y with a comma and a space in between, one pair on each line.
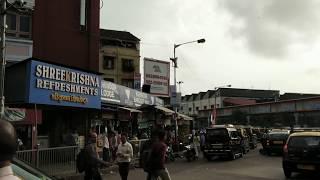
260, 44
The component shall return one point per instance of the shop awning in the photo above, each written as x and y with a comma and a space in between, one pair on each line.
166, 110
185, 117
131, 110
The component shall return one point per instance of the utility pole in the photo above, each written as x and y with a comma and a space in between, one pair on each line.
18, 6
175, 66
2, 54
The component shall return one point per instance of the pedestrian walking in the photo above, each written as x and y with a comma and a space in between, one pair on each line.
124, 156
92, 159
113, 145
202, 139
196, 143
106, 148
156, 161
8, 144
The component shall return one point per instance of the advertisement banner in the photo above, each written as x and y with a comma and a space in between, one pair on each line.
121, 95
157, 74
56, 85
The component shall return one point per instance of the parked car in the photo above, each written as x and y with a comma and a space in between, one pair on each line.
301, 153
25, 171
223, 141
275, 140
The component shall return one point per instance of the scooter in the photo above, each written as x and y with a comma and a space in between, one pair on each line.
189, 153
169, 154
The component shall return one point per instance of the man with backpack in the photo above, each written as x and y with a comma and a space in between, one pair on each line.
156, 160
88, 160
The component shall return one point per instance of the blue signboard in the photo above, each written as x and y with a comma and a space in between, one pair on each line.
56, 85
120, 95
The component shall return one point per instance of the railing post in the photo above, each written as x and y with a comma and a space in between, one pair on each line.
37, 156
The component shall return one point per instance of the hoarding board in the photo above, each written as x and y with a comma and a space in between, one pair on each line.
157, 75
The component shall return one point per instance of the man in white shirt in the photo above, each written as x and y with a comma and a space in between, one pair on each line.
8, 144
124, 156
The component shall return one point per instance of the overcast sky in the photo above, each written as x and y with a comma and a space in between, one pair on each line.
260, 44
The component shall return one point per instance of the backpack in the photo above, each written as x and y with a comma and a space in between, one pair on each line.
81, 161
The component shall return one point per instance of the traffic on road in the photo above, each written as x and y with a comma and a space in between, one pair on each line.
278, 155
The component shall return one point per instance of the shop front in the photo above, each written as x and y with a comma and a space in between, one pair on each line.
63, 100
127, 117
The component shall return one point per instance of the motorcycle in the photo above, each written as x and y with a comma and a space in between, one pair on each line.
169, 154
189, 153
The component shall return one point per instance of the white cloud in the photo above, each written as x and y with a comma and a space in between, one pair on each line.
262, 44
271, 26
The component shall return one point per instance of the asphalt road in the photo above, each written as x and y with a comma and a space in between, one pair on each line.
253, 166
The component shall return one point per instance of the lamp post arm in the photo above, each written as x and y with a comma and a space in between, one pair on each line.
177, 45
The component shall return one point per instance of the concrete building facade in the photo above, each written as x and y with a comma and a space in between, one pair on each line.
119, 57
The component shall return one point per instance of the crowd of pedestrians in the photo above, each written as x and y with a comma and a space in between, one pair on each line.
117, 150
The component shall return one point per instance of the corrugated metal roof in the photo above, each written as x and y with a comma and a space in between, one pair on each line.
249, 93
121, 35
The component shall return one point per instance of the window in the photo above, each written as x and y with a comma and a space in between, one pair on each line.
204, 107
109, 79
190, 109
19, 26
212, 106
108, 62
234, 134
127, 65
197, 108
127, 82
181, 108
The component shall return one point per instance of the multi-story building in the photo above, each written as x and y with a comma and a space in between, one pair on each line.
61, 34
19, 43
119, 57
67, 32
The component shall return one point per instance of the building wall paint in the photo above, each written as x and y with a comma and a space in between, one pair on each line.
57, 35
117, 74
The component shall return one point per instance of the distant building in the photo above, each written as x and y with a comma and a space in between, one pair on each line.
119, 57
224, 97
290, 96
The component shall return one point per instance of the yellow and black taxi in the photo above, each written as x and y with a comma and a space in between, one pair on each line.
301, 153
275, 140
222, 141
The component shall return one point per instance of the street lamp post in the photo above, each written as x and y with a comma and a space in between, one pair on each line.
215, 99
18, 5
180, 82
175, 65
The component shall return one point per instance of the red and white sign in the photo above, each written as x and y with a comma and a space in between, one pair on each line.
157, 74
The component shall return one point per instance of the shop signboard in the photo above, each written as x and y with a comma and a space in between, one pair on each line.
121, 95
51, 84
157, 75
